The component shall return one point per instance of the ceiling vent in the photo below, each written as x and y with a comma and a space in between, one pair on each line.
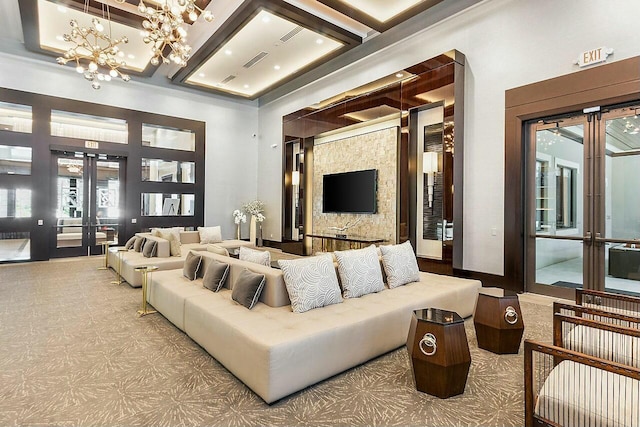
291, 34
253, 61
227, 80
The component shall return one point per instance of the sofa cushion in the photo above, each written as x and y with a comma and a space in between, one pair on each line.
360, 271
170, 236
216, 249
210, 234
400, 264
162, 232
191, 265
149, 248
215, 276
130, 243
247, 288
251, 255
137, 245
311, 282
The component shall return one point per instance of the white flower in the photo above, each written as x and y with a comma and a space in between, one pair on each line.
260, 217
239, 216
254, 208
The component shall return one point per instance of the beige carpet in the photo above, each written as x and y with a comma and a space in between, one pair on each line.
73, 352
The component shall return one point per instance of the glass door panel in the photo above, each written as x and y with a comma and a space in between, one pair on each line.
557, 197
620, 225
70, 201
107, 201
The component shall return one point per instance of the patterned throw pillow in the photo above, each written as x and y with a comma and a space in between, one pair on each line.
400, 264
174, 245
251, 255
311, 282
215, 276
247, 288
149, 248
210, 234
191, 265
360, 272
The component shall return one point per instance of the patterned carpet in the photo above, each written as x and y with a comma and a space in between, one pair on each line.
73, 352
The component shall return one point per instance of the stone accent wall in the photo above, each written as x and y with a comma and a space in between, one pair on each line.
374, 150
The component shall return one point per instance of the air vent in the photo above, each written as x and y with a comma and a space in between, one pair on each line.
291, 34
253, 61
228, 79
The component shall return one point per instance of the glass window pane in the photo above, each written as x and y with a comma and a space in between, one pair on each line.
92, 128
15, 160
164, 204
15, 117
15, 246
162, 137
15, 203
168, 171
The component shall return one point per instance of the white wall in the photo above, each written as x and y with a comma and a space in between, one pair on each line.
231, 149
507, 43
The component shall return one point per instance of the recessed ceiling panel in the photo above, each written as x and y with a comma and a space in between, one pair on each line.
382, 10
266, 50
54, 21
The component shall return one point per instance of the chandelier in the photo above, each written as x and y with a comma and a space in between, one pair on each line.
163, 27
95, 53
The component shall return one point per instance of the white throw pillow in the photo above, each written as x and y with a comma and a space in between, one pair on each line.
360, 272
400, 264
258, 257
175, 231
311, 282
210, 234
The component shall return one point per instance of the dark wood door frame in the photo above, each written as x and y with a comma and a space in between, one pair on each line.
608, 84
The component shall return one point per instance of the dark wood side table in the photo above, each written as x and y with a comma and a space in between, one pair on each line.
439, 352
498, 321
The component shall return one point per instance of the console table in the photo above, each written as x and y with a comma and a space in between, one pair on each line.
355, 242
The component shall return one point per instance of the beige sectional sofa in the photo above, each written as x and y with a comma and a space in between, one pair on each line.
276, 352
189, 240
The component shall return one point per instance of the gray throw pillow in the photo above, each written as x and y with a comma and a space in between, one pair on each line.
191, 265
360, 271
149, 248
137, 245
130, 243
311, 282
216, 275
400, 264
247, 288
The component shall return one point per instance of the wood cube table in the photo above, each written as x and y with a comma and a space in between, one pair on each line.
498, 321
439, 352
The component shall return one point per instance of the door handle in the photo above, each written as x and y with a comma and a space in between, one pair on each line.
599, 240
588, 238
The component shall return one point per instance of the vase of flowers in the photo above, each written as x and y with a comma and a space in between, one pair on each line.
256, 210
238, 218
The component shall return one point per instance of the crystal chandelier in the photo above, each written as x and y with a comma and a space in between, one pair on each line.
163, 27
95, 53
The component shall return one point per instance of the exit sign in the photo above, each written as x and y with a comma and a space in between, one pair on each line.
593, 56
92, 144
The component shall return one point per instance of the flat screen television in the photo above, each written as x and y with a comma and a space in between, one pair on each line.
350, 192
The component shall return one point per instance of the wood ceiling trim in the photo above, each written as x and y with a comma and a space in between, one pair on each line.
241, 17
370, 21
31, 26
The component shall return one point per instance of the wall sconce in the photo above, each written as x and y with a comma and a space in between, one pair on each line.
295, 178
430, 168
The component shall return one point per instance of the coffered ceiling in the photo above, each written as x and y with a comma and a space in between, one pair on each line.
250, 48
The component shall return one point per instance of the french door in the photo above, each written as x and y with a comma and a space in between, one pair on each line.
584, 202
88, 202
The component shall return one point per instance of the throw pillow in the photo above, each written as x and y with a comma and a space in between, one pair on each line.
360, 271
191, 265
149, 248
216, 275
130, 243
137, 245
400, 264
174, 245
258, 257
311, 282
210, 234
247, 288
